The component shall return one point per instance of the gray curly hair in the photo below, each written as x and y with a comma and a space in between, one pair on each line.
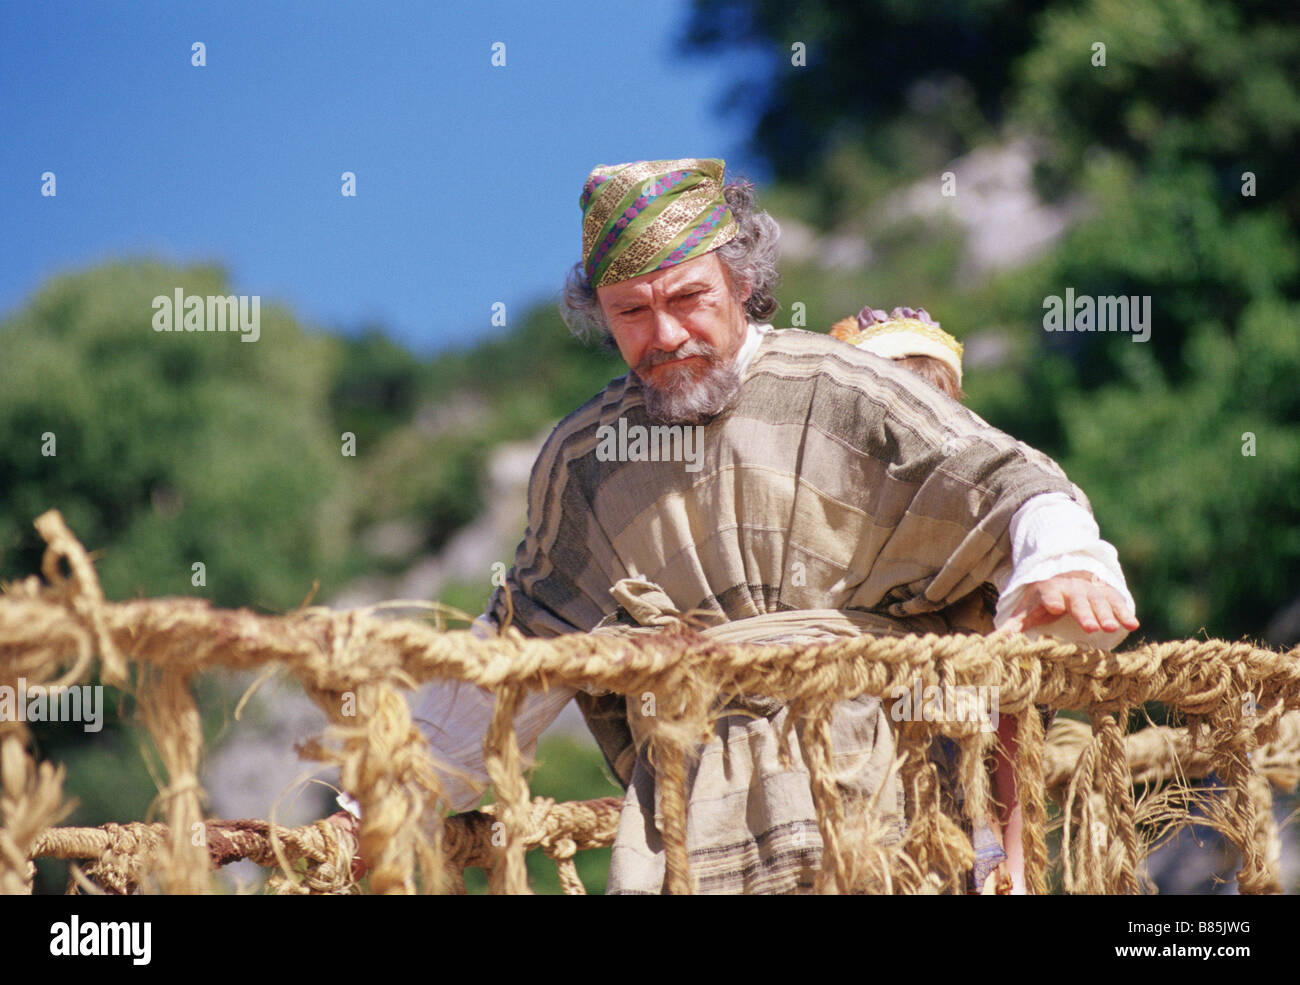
750, 257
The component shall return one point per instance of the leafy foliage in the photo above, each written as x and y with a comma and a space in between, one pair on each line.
168, 449
1180, 151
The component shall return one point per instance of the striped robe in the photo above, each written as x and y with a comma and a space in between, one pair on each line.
834, 480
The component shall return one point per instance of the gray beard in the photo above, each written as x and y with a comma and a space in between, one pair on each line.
692, 401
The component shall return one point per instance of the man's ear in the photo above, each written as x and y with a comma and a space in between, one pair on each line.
743, 290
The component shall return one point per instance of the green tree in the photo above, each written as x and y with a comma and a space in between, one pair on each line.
859, 81
1175, 124
166, 449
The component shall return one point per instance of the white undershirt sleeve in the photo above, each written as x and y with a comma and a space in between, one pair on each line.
454, 716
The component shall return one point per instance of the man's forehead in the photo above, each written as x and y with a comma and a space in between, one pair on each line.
705, 268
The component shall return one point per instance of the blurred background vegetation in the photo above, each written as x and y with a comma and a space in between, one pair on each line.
1124, 178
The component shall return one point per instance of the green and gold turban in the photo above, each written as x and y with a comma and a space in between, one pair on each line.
648, 215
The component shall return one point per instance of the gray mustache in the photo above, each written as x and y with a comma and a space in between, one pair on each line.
692, 348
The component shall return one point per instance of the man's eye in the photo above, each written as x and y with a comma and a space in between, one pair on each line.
686, 297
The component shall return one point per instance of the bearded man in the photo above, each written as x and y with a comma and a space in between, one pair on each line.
831, 483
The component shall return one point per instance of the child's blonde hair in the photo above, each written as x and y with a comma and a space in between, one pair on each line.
933, 371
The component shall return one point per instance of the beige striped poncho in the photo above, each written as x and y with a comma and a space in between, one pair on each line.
834, 480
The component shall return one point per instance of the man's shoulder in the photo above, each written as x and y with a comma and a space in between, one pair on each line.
616, 394
800, 340
796, 353
575, 434
813, 349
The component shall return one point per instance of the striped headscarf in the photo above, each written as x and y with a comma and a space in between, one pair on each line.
648, 215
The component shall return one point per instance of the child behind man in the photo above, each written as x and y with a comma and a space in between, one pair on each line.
914, 340
911, 338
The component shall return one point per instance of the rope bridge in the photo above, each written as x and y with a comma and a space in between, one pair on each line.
1239, 704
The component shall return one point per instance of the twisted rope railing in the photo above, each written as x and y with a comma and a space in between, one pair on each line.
121, 855
356, 667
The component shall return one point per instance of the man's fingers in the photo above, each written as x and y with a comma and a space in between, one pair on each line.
1111, 609
1104, 610
1094, 605
1027, 619
1033, 610
1126, 616
1052, 598
1039, 616
1081, 609
1016, 624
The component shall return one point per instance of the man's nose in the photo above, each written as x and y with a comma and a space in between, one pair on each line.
668, 333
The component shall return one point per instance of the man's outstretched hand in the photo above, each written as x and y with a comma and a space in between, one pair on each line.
1094, 605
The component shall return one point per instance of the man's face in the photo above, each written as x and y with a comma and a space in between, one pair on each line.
679, 330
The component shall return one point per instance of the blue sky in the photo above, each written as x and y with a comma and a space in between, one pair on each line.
467, 174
